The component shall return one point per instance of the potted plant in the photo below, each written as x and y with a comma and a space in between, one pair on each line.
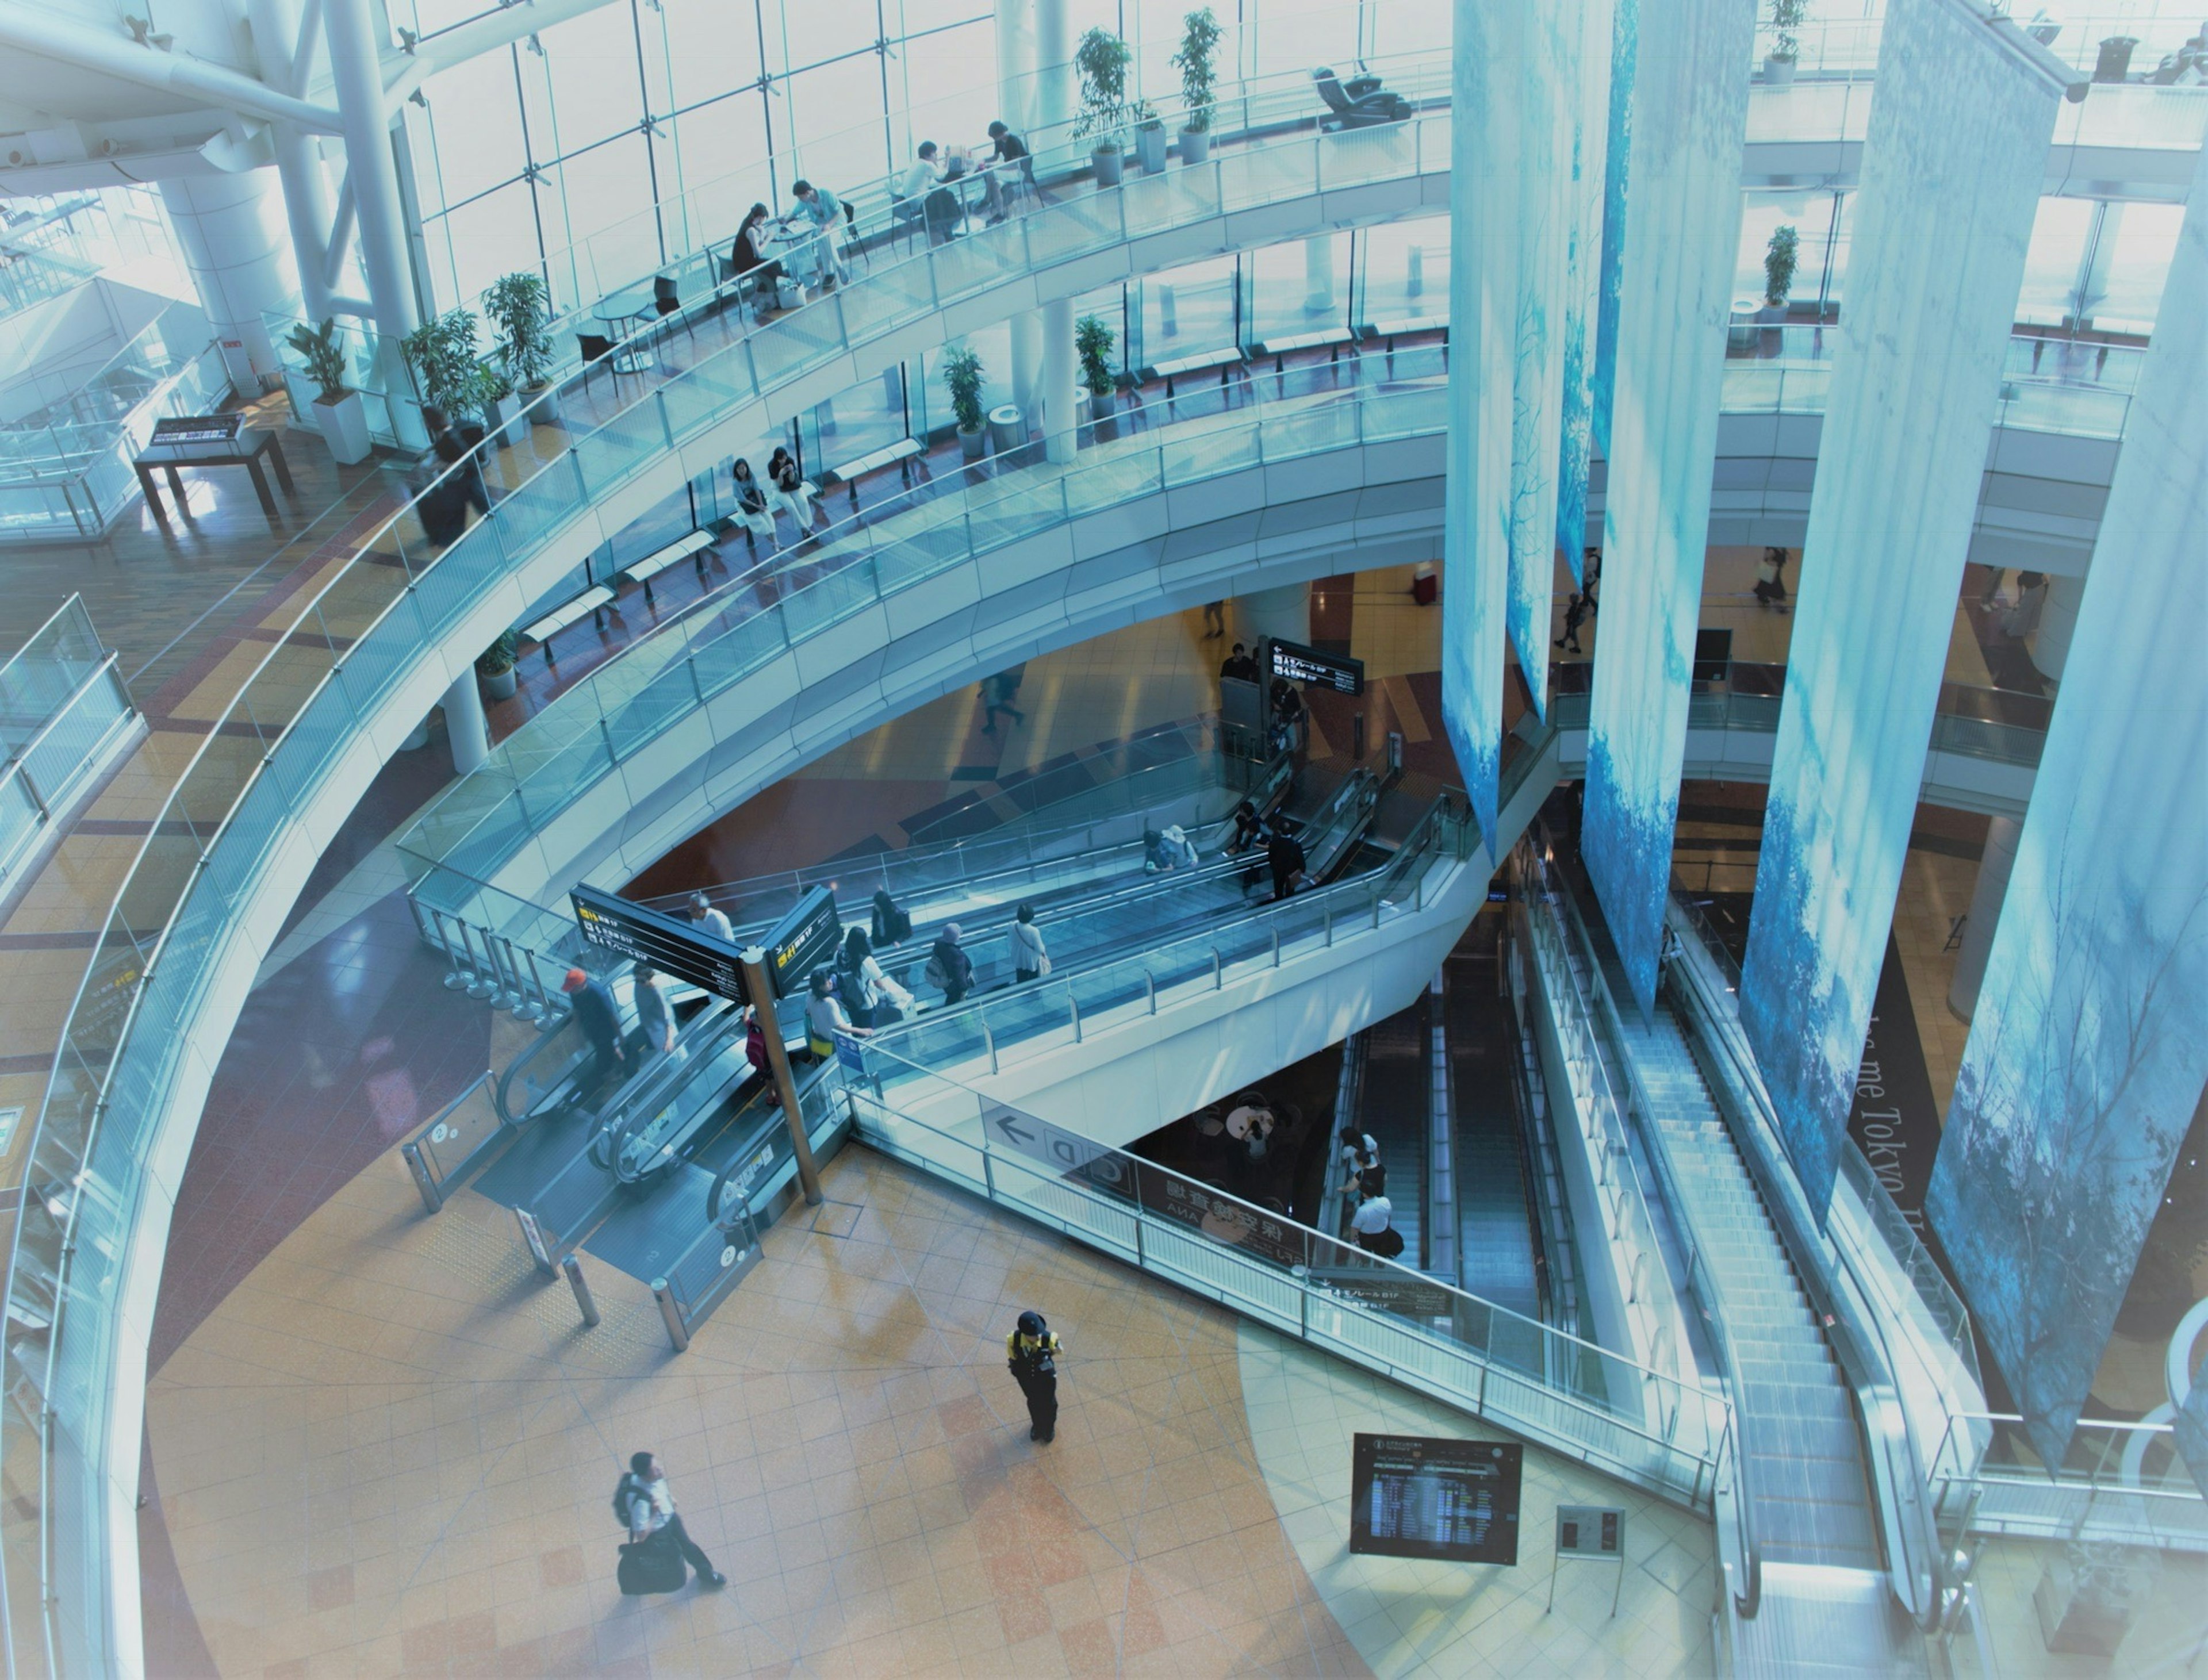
1787, 16
495, 667
340, 412
1101, 61
1093, 341
1780, 257
963, 373
1199, 47
519, 306
1150, 137
448, 373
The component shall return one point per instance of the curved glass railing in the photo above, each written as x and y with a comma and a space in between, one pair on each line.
300, 715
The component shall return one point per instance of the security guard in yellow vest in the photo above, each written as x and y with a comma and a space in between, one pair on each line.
1032, 1352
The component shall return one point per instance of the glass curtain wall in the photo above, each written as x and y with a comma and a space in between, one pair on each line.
603, 146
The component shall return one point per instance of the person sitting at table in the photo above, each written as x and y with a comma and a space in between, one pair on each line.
750, 505
908, 192
945, 205
745, 260
824, 211
793, 494
1008, 156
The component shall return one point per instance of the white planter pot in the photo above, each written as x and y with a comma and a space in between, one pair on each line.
973, 445
543, 404
1109, 165
344, 427
1778, 72
507, 425
1196, 146
1151, 147
501, 687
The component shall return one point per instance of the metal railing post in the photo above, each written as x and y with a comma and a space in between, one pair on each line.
1150, 990
989, 1041
1215, 980
456, 976
523, 1007
1073, 1010
1329, 927
1276, 944
433, 1199
670, 1315
484, 982
574, 1268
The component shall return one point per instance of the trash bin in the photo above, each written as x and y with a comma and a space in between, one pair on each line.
1007, 430
2116, 60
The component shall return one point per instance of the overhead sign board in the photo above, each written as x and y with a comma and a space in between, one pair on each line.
1298, 663
673, 947
802, 941
1414, 1496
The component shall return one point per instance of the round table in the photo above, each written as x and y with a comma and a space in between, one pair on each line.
1243, 1121
620, 315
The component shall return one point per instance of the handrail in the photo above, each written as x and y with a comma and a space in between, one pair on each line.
75, 602
1748, 1598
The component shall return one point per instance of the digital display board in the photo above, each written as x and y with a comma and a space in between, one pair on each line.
199, 428
673, 947
1299, 663
1413, 1496
802, 941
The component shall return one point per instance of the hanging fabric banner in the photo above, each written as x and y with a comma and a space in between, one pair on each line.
2089, 1046
1682, 233
1953, 158
1589, 107
1545, 214
1617, 149
1488, 88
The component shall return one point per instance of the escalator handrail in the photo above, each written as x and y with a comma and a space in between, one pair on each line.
661, 1081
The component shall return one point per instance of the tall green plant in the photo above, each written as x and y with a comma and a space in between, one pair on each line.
1779, 259
963, 373
1101, 61
447, 371
519, 306
1199, 47
1787, 16
1093, 341
324, 356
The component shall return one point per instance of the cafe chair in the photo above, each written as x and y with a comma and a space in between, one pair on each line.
1361, 103
667, 298
853, 246
595, 348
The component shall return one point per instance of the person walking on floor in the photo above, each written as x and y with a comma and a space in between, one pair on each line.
997, 693
1215, 619
949, 967
1576, 612
453, 449
1030, 957
592, 1004
1032, 1353
646, 1504
706, 919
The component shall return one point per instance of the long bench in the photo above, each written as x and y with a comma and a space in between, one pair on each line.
1405, 327
593, 601
1225, 360
901, 454
694, 548
1336, 339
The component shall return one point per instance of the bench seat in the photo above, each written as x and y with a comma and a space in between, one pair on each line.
595, 599
901, 453
691, 548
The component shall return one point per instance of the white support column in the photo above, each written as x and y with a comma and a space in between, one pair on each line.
233, 233
1053, 94
355, 59
1993, 865
465, 728
283, 48
1027, 364
1318, 274
1057, 380
1283, 612
2058, 617
1015, 61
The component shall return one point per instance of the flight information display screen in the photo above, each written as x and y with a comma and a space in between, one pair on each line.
1415, 1496
1299, 663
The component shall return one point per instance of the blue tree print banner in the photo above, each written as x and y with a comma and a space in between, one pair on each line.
1682, 232
1546, 100
1583, 274
1618, 150
2089, 1047
1489, 72
1954, 158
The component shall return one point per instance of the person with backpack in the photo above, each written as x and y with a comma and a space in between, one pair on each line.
1030, 957
873, 999
755, 1052
950, 970
659, 1546
1031, 1353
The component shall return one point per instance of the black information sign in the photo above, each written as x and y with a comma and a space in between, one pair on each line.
1299, 663
801, 940
1413, 1496
673, 947
199, 428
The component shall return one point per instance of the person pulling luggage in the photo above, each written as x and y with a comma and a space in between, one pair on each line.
659, 1546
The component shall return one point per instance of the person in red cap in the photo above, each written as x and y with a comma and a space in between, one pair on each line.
599, 1018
